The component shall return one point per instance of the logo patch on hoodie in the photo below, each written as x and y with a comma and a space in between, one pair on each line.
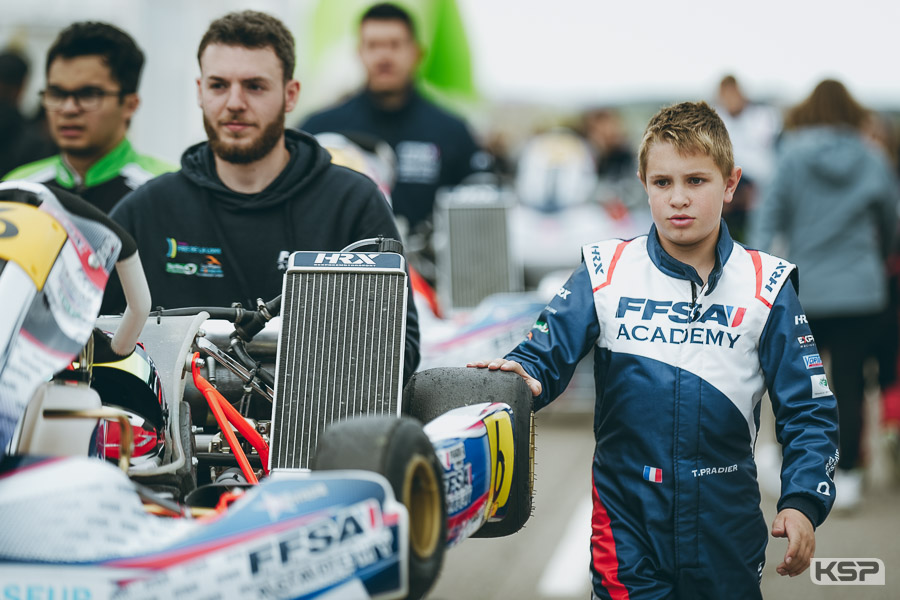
210, 267
175, 247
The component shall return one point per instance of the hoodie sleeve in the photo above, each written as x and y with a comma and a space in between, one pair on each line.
805, 410
563, 334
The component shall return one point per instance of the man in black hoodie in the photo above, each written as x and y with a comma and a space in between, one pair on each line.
220, 230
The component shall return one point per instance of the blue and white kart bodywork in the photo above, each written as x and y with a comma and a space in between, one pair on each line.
83, 533
475, 446
74, 527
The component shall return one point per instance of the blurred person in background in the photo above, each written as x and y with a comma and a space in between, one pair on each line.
833, 200
23, 139
93, 71
879, 130
434, 148
618, 189
605, 133
754, 128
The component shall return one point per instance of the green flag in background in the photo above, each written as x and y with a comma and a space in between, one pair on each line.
446, 68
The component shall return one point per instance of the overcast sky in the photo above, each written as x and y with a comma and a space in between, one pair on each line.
574, 50
563, 53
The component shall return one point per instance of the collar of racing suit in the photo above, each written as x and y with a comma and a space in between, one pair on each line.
675, 268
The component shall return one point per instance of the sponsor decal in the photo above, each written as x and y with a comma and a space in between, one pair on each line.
174, 247
675, 335
806, 340
714, 470
800, 320
775, 276
327, 550
345, 258
832, 462
281, 263
541, 326
653, 474
680, 312
824, 488
812, 361
563, 293
847, 571
418, 162
181, 268
596, 261
457, 478
820, 387
211, 268
287, 502
500, 441
37, 590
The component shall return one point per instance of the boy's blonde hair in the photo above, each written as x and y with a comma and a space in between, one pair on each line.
691, 127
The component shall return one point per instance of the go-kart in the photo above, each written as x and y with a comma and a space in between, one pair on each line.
156, 455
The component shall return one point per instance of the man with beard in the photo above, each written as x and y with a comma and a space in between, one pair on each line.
93, 70
220, 230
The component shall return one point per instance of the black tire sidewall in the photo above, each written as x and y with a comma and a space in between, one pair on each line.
388, 445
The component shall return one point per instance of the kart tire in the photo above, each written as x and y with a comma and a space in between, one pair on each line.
433, 392
398, 449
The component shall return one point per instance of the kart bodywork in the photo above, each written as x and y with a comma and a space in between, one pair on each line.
183, 516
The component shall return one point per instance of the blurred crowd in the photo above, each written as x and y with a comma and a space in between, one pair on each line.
818, 185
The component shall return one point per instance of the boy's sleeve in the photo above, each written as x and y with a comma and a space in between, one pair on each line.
564, 333
806, 420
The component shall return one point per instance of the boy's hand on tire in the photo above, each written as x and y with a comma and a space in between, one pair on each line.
501, 364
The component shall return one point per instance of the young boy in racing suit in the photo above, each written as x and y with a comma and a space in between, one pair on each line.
690, 329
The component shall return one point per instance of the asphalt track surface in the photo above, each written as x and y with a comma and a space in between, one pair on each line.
549, 557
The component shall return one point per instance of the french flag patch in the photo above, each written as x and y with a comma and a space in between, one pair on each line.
653, 474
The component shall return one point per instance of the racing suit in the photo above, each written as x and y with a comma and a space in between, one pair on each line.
680, 368
105, 183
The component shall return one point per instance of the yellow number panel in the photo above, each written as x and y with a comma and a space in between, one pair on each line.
30, 238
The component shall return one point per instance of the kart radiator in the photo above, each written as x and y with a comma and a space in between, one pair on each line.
472, 245
340, 352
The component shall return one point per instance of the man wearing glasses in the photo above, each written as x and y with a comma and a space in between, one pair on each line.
93, 70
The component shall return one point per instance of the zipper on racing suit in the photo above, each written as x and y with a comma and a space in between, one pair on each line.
677, 500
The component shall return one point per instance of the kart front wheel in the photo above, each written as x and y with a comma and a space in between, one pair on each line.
433, 392
398, 449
